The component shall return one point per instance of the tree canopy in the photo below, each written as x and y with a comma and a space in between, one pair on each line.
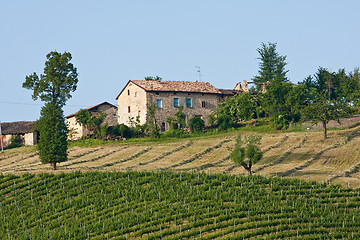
60, 78
329, 99
246, 151
271, 66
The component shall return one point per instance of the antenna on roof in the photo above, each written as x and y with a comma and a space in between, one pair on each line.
199, 73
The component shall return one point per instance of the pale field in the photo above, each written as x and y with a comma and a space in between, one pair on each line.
309, 159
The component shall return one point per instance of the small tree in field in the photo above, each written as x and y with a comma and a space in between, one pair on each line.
246, 152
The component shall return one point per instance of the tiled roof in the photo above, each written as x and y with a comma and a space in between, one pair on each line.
21, 127
176, 86
92, 108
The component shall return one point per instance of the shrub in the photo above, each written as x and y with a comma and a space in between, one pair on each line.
15, 141
224, 122
122, 130
196, 124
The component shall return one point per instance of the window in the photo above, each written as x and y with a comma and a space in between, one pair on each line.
128, 109
159, 103
176, 102
135, 94
188, 102
203, 104
128, 92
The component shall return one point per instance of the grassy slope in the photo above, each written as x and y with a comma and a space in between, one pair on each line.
303, 155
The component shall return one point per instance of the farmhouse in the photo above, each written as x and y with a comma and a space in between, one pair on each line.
24, 130
197, 98
77, 131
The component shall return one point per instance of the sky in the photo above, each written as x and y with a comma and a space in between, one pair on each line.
112, 42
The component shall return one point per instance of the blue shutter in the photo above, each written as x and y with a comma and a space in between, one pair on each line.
159, 103
176, 102
188, 102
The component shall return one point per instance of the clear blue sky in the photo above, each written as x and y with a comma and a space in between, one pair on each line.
114, 41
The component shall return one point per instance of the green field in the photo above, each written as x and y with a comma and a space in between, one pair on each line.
166, 205
303, 187
302, 155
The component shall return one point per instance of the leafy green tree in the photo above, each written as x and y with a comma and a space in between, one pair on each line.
153, 127
272, 65
83, 117
180, 117
211, 118
54, 87
326, 102
196, 124
173, 124
240, 107
354, 87
122, 130
53, 135
57, 82
246, 152
96, 123
93, 121
224, 122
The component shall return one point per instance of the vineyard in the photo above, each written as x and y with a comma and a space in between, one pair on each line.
167, 205
186, 188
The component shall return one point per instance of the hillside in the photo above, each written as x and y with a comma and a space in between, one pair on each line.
166, 205
304, 155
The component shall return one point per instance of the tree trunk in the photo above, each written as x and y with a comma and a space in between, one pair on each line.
325, 130
53, 165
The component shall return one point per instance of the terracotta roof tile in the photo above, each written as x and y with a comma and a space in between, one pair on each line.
91, 108
176, 86
21, 127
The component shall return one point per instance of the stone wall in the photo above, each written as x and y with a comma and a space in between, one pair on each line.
132, 103
111, 114
30, 138
202, 105
76, 131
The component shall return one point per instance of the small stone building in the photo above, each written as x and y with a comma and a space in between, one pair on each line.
197, 98
26, 130
77, 131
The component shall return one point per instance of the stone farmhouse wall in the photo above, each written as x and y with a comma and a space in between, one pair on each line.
132, 102
78, 131
202, 105
138, 95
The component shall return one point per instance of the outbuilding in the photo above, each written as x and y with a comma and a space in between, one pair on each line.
25, 130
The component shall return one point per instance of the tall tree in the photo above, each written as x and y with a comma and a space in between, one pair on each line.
54, 87
326, 101
52, 128
272, 65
